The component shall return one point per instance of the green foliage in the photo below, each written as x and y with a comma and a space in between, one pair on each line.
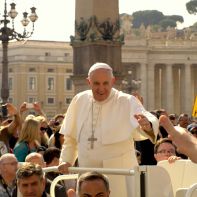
194, 27
176, 18
146, 17
154, 17
165, 23
191, 6
195, 24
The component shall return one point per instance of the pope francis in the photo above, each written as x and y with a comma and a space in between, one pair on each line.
100, 128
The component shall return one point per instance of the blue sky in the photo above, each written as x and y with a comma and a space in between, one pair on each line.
56, 18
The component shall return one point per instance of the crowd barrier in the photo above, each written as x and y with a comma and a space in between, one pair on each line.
165, 180
145, 185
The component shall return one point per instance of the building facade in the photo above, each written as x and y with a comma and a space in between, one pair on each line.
166, 68
165, 61
168, 72
40, 71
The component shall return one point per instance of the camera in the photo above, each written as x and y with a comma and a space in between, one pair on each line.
4, 111
29, 105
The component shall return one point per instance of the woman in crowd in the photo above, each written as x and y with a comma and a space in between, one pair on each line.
57, 139
43, 130
29, 138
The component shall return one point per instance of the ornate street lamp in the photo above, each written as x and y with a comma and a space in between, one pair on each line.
7, 34
130, 85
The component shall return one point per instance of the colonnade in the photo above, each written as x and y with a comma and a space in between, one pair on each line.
171, 86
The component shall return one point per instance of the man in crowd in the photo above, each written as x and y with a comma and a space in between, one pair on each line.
165, 150
184, 141
183, 120
8, 168
37, 158
101, 125
192, 128
91, 184
30, 180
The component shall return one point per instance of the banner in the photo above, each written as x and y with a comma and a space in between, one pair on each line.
194, 112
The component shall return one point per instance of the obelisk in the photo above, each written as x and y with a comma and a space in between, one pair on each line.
97, 39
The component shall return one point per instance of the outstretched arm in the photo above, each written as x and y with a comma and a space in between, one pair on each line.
16, 122
185, 142
145, 125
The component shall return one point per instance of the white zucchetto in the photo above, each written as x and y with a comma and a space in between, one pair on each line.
99, 65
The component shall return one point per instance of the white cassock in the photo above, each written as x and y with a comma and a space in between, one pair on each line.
113, 124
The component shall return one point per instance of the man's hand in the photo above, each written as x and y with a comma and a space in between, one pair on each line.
71, 193
185, 142
143, 122
63, 167
12, 110
37, 107
23, 107
173, 158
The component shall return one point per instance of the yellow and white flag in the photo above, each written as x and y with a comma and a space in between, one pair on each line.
194, 112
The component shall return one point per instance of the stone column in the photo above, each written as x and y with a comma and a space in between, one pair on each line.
143, 77
150, 86
169, 90
188, 90
97, 39
158, 86
177, 89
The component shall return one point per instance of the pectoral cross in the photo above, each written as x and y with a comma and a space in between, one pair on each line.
91, 140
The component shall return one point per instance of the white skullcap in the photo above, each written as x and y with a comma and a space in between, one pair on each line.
97, 66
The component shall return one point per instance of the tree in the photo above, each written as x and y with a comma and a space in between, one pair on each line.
165, 23
191, 7
170, 21
146, 17
154, 17
176, 18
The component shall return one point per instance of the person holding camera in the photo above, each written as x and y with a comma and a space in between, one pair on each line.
30, 108
9, 127
29, 138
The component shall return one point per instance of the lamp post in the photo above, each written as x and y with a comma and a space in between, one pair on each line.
129, 84
7, 34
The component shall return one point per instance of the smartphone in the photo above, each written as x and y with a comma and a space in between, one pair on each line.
4, 110
29, 105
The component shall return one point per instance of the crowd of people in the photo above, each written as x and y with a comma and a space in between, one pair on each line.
103, 127
26, 135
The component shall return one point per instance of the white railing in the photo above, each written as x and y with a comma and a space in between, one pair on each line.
79, 170
149, 180
190, 190
100, 170
59, 178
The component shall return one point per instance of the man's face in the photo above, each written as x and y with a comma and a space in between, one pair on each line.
184, 121
165, 150
101, 82
9, 167
94, 188
32, 186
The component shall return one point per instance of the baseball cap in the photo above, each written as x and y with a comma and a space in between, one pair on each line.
192, 126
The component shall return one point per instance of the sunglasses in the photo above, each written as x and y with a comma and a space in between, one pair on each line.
56, 123
194, 132
43, 129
